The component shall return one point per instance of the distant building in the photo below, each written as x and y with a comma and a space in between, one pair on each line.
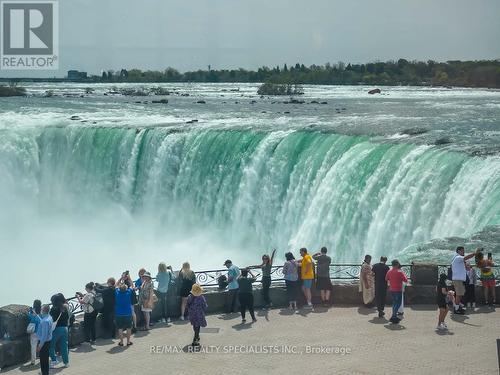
75, 75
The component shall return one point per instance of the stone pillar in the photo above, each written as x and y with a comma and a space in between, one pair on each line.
424, 274
13, 320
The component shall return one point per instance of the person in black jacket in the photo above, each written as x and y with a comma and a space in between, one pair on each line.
380, 270
108, 310
245, 294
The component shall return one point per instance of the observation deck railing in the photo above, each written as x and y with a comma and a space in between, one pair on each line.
338, 272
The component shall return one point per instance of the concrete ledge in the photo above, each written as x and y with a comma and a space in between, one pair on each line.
13, 352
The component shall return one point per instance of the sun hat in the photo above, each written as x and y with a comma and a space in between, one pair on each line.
196, 290
146, 274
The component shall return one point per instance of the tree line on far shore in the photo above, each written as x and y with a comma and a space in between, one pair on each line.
484, 73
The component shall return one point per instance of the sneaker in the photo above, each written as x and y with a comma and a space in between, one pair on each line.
169, 320
439, 327
395, 320
182, 318
243, 321
444, 325
254, 320
381, 314
66, 365
459, 312
53, 364
473, 305
32, 363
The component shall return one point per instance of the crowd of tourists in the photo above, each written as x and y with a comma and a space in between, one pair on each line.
455, 290
125, 304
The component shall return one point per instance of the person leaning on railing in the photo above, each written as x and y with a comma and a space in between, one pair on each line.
108, 310
124, 308
291, 275
90, 313
306, 275
233, 272
323, 282
487, 277
164, 279
186, 279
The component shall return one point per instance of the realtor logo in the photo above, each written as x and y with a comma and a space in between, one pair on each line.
29, 35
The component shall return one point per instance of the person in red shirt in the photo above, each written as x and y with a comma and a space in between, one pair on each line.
396, 278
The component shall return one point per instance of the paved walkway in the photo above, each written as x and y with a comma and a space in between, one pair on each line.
370, 346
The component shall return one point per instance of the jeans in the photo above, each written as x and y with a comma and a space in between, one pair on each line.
60, 336
44, 357
163, 302
396, 302
380, 293
89, 325
246, 302
291, 290
34, 344
231, 296
266, 284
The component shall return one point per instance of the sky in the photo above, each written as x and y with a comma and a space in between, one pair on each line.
192, 34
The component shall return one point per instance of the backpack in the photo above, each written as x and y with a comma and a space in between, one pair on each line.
98, 302
450, 274
222, 282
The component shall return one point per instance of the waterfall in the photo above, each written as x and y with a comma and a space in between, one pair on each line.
283, 188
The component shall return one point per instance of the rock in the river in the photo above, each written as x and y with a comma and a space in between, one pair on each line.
442, 141
201, 102
374, 91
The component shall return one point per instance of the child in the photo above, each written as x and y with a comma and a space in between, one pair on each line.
443, 298
470, 286
197, 306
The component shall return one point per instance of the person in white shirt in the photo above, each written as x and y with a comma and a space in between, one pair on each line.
459, 275
90, 314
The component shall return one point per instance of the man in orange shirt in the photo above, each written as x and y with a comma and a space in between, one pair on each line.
306, 274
